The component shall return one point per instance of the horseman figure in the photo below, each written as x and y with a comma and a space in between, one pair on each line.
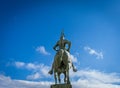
62, 60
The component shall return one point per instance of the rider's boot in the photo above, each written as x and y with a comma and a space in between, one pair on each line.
51, 72
75, 70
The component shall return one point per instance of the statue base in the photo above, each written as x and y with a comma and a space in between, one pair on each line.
61, 86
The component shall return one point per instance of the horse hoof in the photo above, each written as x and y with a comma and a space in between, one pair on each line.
68, 82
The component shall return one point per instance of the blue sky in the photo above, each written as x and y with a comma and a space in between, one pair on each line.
29, 30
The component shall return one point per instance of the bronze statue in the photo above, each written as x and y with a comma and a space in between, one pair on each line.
62, 61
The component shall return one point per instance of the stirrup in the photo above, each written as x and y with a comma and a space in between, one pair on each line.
50, 72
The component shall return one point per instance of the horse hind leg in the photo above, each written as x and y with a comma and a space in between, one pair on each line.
68, 80
65, 78
59, 78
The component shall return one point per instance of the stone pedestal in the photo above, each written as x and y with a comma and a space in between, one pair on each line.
61, 86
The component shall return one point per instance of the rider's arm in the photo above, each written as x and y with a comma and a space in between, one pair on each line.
69, 45
56, 45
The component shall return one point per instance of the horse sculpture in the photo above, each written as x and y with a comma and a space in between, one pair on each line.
62, 64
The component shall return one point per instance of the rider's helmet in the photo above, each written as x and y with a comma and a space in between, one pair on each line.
62, 36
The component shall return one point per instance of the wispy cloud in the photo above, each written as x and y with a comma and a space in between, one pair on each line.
77, 54
38, 70
19, 64
42, 50
95, 79
73, 58
97, 76
86, 78
34, 76
7, 82
91, 51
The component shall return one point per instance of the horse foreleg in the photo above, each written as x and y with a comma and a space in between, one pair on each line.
68, 80
59, 78
55, 76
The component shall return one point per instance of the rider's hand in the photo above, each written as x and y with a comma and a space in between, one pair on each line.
56, 50
68, 50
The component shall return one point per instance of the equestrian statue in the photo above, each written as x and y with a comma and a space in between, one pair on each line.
62, 60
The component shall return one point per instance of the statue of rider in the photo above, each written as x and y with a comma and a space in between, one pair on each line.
61, 45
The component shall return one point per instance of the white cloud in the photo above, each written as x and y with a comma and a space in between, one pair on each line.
85, 79
91, 51
44, 70
97, 76
34, 76
77, 54
19, 64
38, 70
93, 84
42, 50
95, 79
74, 59
31, 66
7, 82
